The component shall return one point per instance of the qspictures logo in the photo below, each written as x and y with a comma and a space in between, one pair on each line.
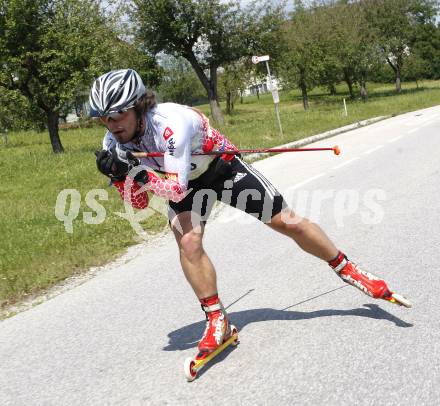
340, 206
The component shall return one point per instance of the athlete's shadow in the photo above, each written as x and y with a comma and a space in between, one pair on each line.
188, 336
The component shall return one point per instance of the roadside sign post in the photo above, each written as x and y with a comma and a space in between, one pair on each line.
272, 88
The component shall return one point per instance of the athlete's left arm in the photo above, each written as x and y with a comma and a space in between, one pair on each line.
223, 144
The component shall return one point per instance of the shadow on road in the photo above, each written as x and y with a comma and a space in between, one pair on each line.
188, 336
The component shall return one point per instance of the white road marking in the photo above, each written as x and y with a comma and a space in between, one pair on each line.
407, 121
309, 180
373, 149
394, 139
346, 163
430, 121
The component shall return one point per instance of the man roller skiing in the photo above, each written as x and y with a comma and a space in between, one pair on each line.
192, 184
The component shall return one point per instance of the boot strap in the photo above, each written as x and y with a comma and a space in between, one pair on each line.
341, 266
212, 308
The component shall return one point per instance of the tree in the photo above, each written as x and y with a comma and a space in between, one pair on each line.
50, 50
180, 83
425, 52
415, 68
302, 61
36, 53
329, 37
351, 45
395, 23
207, 33
16, 113
11, 105
233, 81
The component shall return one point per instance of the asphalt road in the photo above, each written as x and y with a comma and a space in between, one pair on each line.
305, 337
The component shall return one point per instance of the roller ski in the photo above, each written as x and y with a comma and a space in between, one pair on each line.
365, 281
218, 336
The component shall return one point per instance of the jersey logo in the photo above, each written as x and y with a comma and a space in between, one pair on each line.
239, 176
171, 146
168, 132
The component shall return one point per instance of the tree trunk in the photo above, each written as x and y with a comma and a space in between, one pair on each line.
210, 85
398, 80
303, 87
347, 79
396, 68
52, 123
241, 96
258, 93
213, 98
364, 93
332, 89
228, 102
214, 104
216, 112
305, 98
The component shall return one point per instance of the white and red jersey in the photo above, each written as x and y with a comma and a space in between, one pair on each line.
177, 131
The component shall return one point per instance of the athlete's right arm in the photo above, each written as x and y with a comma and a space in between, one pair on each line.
133, 190
136, 194
136, 197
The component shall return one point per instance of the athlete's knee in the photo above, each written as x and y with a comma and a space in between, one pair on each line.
288, 222
191, 245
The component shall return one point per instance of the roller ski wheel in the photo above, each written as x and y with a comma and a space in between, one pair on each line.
234, 333
189, 370
192, 366
398, 299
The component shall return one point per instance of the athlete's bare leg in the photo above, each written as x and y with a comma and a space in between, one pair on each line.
307, 235
196, 265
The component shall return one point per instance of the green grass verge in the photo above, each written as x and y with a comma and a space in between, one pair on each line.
35, 250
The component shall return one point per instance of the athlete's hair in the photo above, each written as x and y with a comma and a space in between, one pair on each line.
145, 103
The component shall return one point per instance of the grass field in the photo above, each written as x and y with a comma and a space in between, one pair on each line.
36, 252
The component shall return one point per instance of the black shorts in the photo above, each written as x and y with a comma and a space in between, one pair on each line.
247, 190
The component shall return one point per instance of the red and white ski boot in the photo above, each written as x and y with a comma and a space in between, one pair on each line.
218, 335
365, 281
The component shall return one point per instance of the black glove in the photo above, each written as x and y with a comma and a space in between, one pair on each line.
219, 170
110, 165
224, 169
117, 167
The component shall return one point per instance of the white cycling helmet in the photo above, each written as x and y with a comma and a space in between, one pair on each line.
115, 91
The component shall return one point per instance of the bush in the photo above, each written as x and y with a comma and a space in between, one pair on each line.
17, 114
83, 122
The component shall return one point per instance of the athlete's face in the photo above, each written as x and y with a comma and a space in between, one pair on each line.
122, 125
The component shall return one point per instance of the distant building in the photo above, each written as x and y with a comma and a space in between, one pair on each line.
263, 86
81, 109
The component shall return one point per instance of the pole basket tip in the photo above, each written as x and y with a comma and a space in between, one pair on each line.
336, 150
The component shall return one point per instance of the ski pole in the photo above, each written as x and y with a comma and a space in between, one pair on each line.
335, 150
